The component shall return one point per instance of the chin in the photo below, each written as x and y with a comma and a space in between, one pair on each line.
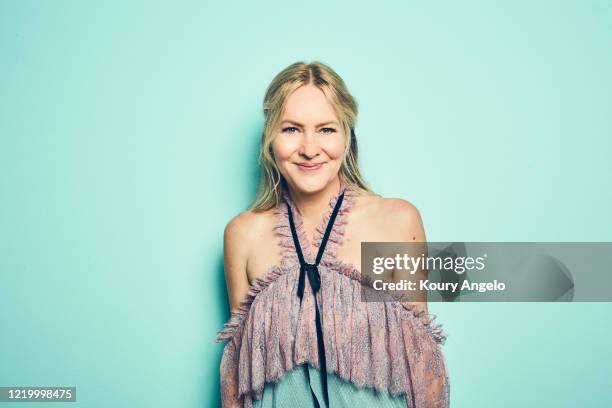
309, 184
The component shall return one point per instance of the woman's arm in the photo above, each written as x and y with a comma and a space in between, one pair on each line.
409, 228
428, 370
235, 255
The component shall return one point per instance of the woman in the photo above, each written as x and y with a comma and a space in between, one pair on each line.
299, 334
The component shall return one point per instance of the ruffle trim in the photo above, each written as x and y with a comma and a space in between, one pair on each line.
289, 258
236, 321
290, 261
424, 319
379, 345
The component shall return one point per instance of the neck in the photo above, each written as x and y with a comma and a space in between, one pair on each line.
312, 205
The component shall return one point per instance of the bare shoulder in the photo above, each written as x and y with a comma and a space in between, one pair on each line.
246, 247
247, 226
400, 210
399, 219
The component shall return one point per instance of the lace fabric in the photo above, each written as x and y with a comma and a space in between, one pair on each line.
387, 346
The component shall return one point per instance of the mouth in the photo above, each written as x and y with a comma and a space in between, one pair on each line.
307, 167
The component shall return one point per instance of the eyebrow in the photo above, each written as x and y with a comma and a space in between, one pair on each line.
319, 125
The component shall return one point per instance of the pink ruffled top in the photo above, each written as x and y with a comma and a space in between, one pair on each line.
388, 346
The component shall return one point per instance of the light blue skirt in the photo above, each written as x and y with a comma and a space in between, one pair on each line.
296, 390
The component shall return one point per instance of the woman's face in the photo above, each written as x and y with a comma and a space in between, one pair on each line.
309, 145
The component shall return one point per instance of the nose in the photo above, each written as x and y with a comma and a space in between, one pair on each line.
310, 146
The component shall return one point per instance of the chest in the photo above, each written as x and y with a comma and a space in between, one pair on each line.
267, 252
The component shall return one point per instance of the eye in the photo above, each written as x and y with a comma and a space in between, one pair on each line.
288, 129
328, 130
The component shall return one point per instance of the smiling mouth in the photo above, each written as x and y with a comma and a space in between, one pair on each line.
309, 166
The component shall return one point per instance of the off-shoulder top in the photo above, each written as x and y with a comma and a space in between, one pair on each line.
387, 346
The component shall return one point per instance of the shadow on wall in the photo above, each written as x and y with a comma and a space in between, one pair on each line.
249, 186
211, 376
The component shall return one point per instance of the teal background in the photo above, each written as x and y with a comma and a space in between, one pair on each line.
129, 135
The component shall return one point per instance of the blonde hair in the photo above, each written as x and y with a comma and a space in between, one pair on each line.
345, 106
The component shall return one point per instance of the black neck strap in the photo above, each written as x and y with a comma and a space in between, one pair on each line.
315, 283
328, 230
